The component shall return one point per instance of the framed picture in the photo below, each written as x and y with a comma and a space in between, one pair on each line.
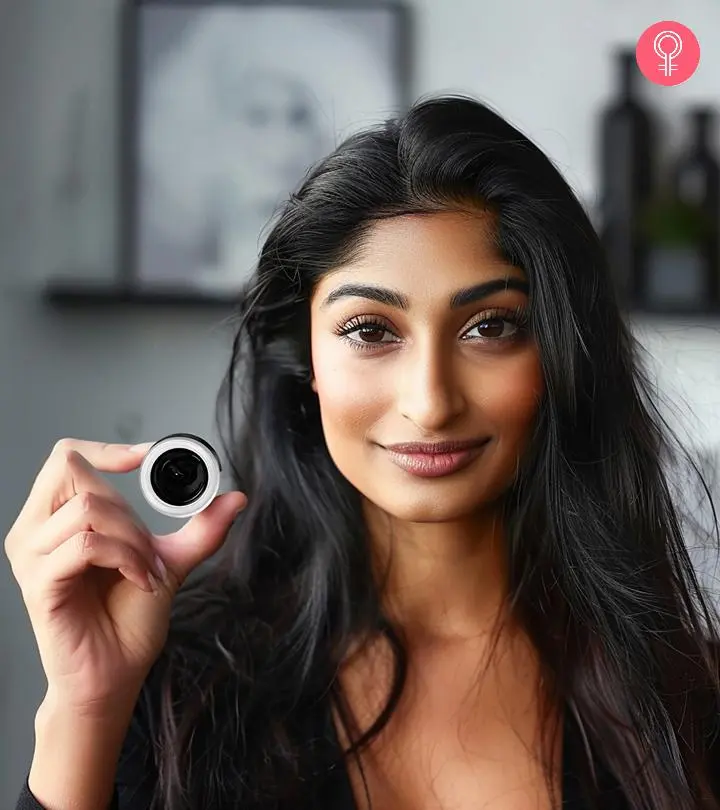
225, 106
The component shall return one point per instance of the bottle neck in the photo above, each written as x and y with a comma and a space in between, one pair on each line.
702, 121
627, 71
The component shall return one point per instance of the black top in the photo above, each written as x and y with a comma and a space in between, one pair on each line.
136, 778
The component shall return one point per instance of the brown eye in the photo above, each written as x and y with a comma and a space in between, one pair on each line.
366, 334
493, 328
371, 334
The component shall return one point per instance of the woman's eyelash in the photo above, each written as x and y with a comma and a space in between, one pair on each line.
518, 317
345, 327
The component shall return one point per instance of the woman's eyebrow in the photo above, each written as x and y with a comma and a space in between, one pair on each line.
393, 298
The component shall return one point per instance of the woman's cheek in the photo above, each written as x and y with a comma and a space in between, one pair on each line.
346, 386
513, 396
350, 401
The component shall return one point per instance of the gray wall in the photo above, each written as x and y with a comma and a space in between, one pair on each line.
136, 375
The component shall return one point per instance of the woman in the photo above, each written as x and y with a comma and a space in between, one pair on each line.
459, 580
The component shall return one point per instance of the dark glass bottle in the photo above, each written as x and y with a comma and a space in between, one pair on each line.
696, 184
681, 228
626, 179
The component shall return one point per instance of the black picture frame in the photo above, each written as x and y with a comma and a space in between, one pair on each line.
135, 275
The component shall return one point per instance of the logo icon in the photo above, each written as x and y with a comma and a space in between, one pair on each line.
667, 53
669, 63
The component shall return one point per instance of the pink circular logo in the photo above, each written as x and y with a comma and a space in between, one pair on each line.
667, 53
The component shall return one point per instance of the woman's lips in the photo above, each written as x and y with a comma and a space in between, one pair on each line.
435, 465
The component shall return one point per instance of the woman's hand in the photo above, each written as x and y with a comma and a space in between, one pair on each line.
97, 584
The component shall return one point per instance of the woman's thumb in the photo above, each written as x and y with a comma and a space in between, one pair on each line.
200, 537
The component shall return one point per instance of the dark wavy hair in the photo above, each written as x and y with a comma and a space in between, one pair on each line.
600, 575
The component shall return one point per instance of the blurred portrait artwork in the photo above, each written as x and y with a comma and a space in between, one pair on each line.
229, 104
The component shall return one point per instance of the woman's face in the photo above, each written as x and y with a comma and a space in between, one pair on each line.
421, 340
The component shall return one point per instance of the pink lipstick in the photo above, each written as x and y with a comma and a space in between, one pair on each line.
435, 460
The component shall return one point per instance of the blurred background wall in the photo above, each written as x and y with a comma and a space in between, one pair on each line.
136, 373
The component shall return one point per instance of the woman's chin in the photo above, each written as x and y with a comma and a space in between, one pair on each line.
429, 510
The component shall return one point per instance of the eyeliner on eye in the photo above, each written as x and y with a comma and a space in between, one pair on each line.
518, 315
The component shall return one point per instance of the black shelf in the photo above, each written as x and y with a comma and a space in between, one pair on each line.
709, 314
81, 294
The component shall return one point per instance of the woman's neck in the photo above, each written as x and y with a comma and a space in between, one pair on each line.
441, 582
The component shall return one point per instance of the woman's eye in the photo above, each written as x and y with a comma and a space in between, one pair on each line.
370, 333
493, 329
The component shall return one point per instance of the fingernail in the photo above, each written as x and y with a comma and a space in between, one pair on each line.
140, 448
161, 570
153, 584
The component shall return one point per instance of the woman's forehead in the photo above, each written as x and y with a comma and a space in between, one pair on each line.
424, 255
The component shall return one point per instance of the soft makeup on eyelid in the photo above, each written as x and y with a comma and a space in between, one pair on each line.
366, 314
512, 305
350, 331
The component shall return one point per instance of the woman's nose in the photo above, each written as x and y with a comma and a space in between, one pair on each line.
429, 389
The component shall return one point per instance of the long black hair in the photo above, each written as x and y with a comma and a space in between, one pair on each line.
600, 576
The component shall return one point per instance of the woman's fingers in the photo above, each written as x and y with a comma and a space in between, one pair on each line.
80, 553
201, 536
88, 512
70, 497
70, 500
72, 467
105, 456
